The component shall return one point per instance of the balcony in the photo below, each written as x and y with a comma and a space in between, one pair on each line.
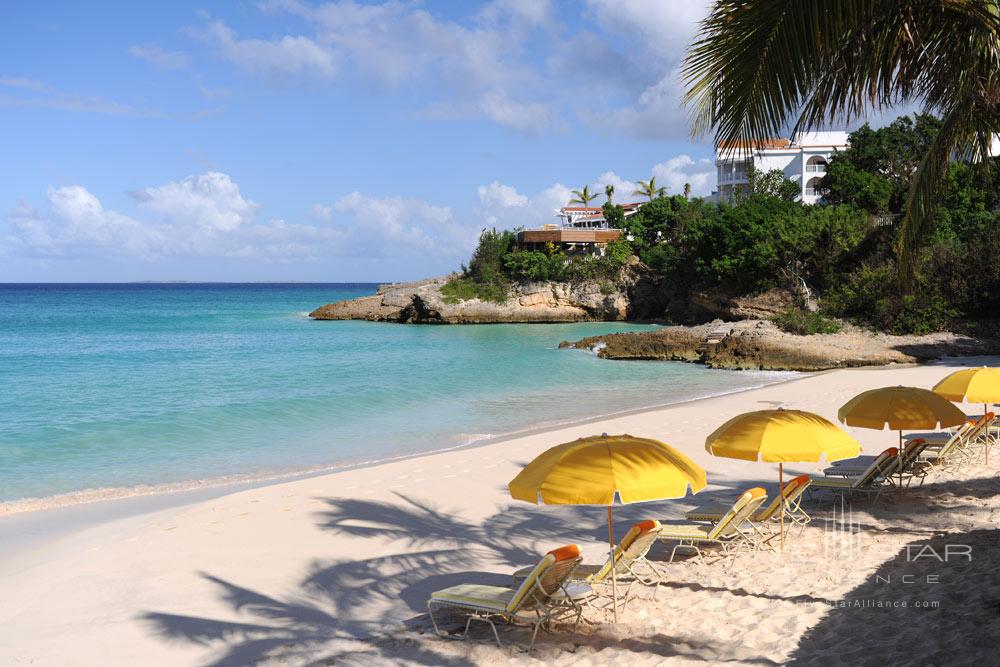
561, 235
816, 168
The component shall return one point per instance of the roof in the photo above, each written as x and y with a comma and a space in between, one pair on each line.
758, 145
595, 209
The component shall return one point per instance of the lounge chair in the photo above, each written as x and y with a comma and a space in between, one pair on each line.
729, 530
790, 497
631, 565
873, 480
950, 450
911, 467
539, 599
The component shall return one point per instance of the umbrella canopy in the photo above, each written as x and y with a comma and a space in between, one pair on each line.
590, 471
900, 408
781, 436
974, 385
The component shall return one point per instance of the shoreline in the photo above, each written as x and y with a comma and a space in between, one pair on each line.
361, 549
224, 484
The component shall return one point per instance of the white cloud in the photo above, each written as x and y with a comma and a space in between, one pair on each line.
320, 213
31, 94
201, 216
79, 224
677, 171
291, 56
211, 201
158, 57
504, 196
385, 223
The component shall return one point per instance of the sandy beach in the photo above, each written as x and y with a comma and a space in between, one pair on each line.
337, 568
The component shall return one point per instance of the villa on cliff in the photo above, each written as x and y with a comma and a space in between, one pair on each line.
579, 228
803, 160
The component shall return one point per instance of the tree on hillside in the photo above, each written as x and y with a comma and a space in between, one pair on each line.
876, 170
584, 196
609, 190
649, 189
758, 67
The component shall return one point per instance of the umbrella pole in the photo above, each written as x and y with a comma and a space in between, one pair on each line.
781, 498
614, 566
899, 454
986, 448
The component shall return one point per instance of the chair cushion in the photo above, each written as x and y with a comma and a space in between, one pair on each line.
685, 531
477, 595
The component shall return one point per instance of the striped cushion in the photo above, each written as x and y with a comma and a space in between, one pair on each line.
476, 595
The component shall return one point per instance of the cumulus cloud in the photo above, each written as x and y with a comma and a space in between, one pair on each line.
677, 171
199, 216
211, 201
503, 196
384, 222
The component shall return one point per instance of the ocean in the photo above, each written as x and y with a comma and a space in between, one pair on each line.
127, 386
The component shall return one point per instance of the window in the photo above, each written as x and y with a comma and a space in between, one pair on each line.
817, 163
813, 188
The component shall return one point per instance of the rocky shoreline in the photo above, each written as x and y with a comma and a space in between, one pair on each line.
760, 345
739, 335
422, 303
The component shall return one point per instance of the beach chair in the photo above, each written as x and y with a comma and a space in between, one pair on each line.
874, 479
911, 467
631, 565
539, 599
958, 449
731, 530
764, 519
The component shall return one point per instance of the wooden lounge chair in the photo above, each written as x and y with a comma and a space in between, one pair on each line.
631, 564
874, 479
763, 520
911, 467
731, 530
540, 598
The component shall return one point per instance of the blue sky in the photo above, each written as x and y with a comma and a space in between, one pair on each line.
335, 141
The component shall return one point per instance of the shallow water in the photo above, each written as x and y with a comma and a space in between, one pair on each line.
122, 385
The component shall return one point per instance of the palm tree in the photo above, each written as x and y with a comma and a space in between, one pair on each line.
758, 67
649, 189
584, 196
687, 191
609, 190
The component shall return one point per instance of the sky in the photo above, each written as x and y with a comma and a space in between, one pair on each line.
323, 141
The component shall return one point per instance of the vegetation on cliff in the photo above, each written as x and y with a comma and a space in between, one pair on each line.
841, 252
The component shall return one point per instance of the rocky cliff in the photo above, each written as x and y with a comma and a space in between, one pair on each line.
760, 345
422, 303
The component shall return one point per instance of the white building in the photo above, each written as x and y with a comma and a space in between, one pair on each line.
803, 161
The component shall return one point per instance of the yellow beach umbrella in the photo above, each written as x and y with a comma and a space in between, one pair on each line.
781, 436
900, 408
972, 385
592, 471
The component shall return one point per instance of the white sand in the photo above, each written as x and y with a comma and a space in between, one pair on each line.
301, 570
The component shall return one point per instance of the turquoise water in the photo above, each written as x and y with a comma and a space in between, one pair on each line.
122, 385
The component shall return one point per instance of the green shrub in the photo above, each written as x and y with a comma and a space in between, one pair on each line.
464, 289
805, 323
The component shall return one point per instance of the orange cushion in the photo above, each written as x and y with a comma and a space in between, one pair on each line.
795, 481
892, 451
565, 553
645, 526
756, 492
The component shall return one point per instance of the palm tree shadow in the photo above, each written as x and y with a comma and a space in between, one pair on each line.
869, 624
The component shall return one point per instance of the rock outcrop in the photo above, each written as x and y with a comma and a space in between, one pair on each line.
760, 345
422, 303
